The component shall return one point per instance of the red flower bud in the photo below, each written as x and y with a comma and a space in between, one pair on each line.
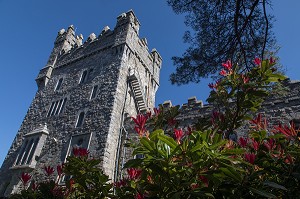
25, 178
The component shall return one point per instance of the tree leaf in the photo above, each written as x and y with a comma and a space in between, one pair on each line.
168, 140
262, 193
147, 144
274, 185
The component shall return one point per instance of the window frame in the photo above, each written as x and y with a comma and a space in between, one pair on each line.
94, 92
59, 84
83, 77
31, 147
81, 119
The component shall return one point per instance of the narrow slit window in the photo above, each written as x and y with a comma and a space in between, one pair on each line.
90, 73
27, 150
54, 108
50, 109
83, 77
80, 119
59, 83
21, 154
59, 106
94, 92
63, 105
32, 150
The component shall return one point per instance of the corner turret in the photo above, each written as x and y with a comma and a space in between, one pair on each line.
64, 41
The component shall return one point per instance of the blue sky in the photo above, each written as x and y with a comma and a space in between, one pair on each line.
28, 29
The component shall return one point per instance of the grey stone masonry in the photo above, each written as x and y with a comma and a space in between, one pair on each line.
276, 109
84, 93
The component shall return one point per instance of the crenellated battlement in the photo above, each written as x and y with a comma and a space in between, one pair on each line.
281, 109
123, 39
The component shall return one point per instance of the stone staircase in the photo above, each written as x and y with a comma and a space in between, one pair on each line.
136, 87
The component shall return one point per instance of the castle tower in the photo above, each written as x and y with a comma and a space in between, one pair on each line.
84, 93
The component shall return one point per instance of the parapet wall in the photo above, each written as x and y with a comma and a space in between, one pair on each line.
277, 109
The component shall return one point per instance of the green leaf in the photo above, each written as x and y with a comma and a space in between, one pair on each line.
150, 145
220, 143
232, 174
168, 140
133, 163
274, 185
197, 147
262, 193
154, 134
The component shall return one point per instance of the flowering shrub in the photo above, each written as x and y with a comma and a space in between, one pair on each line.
199, 161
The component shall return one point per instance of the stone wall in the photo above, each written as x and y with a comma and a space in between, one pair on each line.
65, 94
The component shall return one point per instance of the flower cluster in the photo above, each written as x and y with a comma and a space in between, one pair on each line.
140, 122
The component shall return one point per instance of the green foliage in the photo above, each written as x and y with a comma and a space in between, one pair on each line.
197, 162
89, 179
218, 30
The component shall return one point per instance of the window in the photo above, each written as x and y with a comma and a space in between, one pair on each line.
76, 141
83, 77
57, 107
91, 73
80, 119
31, 147
94, 92
59, 83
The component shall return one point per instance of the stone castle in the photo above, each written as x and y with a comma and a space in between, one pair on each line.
86, 93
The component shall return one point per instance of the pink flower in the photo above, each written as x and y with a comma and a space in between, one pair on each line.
139, 196
245, 79
34, 186
255, 144
140, 122
80, 152
140, 131
250, 157
194, 186
178, 133
223, 72
289, 159
211, 85
49, 170
227, 65
25, 178
204, 180
260, 124
172, 122
257, 61
287, 131
134, 173
59, 169
272, 60
243, 142
270, 144
156, 111
189, 130
121, 183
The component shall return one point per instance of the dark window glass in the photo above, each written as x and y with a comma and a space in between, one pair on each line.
32, 150
63, 105
94, 92
50, 109
21, 154
27, 150
80, 119
59, 83
83, 77
54, 108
